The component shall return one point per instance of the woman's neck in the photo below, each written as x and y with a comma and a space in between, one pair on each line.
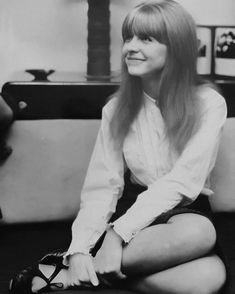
151, 88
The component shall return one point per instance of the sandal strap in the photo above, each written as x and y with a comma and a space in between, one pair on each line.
49, 280
47, 288
58, 268
39, 274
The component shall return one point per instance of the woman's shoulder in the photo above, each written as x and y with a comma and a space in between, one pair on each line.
109, 107
210, 97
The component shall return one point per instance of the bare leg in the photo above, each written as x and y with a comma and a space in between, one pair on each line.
156, 248
38, 283
205, 275
184, 238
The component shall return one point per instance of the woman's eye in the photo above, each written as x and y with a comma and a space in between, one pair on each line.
128, 39
147, 39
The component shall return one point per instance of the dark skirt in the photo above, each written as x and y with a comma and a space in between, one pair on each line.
131, 191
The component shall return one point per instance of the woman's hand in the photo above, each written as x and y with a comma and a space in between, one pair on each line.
81, 270
107, 261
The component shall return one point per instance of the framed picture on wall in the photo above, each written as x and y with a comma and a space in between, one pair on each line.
204, 35
224, 51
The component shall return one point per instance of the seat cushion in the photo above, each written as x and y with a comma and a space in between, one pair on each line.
100, 291
43, 177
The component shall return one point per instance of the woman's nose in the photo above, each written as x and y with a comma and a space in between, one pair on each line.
132, 45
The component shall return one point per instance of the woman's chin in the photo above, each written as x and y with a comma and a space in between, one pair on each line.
134, 72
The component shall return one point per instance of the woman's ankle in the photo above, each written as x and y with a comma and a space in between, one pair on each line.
47, 270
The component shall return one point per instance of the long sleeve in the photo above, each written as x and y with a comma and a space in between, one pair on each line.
186, 179
102, 188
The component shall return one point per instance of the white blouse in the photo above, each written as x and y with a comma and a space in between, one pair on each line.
170, 180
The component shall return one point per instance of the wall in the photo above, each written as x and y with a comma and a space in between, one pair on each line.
52, 33
42, 34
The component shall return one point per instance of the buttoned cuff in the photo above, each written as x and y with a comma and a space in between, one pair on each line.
121, 228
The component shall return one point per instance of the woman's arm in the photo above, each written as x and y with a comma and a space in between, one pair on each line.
188, 176
102, 187
107, 262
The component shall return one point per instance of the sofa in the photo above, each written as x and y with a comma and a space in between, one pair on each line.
40, 187
41, 183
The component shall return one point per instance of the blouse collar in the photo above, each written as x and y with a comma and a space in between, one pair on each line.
150, 98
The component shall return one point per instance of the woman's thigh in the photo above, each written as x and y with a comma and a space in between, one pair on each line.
197, 231
185, 237
205, 275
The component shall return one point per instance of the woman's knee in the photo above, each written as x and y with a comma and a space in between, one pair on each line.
206, 275
196, 230
212, 276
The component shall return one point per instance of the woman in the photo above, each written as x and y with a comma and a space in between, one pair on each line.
145, 220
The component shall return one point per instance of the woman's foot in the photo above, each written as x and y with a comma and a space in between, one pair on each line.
38, 279
59, 282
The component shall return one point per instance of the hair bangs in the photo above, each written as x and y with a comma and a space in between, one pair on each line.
144, 21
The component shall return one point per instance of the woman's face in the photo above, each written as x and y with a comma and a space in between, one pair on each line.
144, 57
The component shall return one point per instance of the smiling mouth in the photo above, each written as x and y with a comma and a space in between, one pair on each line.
131, 61
135, 59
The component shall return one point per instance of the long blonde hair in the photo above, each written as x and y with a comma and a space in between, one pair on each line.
169, 23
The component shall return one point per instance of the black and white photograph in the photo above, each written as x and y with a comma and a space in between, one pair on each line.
204, 35
225, 51
117, 146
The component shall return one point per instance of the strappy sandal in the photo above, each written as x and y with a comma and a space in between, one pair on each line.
22, 282
53, 258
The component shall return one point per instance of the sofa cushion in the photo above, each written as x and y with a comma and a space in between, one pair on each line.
42, 179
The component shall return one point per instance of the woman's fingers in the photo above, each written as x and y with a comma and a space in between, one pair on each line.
73, 281
81, 270
109, 278
114, 276
92, 274
104, 280
119, 275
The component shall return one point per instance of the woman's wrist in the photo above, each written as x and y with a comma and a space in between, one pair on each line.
75, 254
111, 232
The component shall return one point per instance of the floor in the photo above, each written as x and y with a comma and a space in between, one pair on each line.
22, 245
